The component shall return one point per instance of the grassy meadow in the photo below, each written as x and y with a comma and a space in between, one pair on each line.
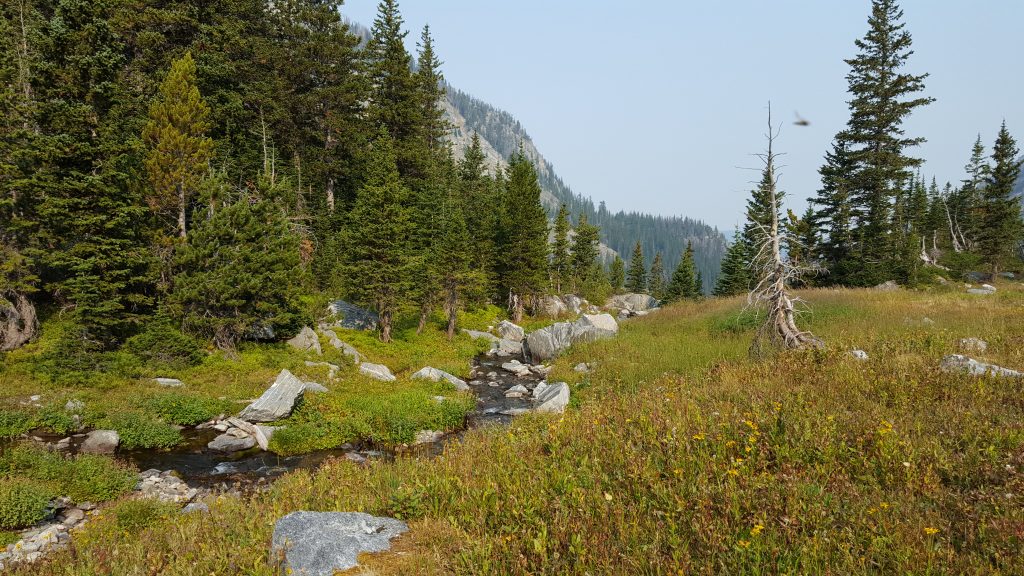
679, 455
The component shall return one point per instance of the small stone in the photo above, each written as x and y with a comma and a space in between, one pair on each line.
169, 382
377, 372
582, 368
74, 406
195, 507
517, 391
859, 354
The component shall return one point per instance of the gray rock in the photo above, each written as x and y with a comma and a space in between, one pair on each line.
602, 322
517, 391
194, 507
961, 363
435, 375
517, 368
227, 443
1007, 275
346, 349
509, 331
74, 406
980, 292
427, 437
320, 543
988, 287
332, 369
978, 276
353, 317
632, 302
169, 382
582, 368
972, 345
548, 342
476, 335
278, 400
553, 398
306, 340
505, 347
859, 354
575, 304
377, 372
72, 516
100, 442
888, 286
551, 307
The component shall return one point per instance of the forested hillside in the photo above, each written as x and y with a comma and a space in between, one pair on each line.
619, 230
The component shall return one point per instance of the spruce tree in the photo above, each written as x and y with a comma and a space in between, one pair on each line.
833, 217
735, 275
560, 257
1000, 218
656, 282
523, 246
684, 280
584, 252
178, 149
482, 208
882, 97
452, 249
378, 267
617, 274
636, 277
237, 274
759, 219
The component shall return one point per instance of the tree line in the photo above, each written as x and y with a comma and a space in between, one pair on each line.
211, 165
875, 218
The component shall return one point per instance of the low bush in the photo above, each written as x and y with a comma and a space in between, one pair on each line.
138, 430
22, 502
187, 410
132, 516
164, 345
14, 423
85, 478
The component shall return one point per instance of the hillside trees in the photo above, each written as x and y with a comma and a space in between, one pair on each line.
656, 282
636, 277
523, 254
560, 257
999, 221
685, 282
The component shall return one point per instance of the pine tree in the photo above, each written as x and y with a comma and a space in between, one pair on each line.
617, 274
379, 259
835, 211
1000, 218
92, 248
968, 203
684, 280
759, 218
179, 150
560, 258
584, 253
636, 277
452, 249
482, 207
735, 275
656, 282
801, 240
236, 274
524, 237
882, 98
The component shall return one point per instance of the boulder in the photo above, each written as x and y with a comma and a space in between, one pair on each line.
517, 368
978, 277
980, 291
306, 340
582, 368
505, 347
427, 437
553, 398
278, 400
261, 434
551, 307
169, 382
517, 391
632, 302
575, 304
961, 363
1007, 275
435, 375
602, 322
229, 443
353, 317
509, 331
888, 286
476, 335
548, 342
100, 442
972, 345
377, 372
345, 348
988, 287
321, 543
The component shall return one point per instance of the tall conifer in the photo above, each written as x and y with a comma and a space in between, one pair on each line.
636, 277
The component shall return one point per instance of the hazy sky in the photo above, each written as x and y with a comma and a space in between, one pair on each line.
657, 106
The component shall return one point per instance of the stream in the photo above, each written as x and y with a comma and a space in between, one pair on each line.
201, 467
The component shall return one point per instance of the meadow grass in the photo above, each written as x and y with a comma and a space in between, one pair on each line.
680, 455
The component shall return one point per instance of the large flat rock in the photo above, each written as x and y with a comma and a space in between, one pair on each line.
435, 375
377, 372
961, 363
278, 400
320, 543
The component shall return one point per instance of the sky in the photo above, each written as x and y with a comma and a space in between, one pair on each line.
660, 106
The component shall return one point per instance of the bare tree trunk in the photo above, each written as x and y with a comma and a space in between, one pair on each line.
515, 306
181, 209
330, 194
385, 326
424, 316
18, 322
452, 307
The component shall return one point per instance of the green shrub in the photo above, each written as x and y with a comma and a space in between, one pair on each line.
133, 516
161, 343
57, 420
22, 502
14, 423
83, 478
304, 437
186, 410
8, 537
139, 430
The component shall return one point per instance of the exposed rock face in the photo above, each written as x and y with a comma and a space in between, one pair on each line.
377, 371
306, 340
552, 398
509, 331
632, 302
101, 442
353, 317
278, 400
551, 307
505, 347
18, 321
546, 343
601, 322
435, 375
961, 363
320, 543
972, 345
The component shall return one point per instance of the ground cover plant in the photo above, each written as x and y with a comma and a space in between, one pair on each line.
681, 455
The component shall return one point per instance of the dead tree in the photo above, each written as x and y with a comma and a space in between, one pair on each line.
773, 273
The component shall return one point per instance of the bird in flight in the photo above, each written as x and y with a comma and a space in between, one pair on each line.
800, 121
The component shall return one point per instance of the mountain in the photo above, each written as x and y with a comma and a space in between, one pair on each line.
1018, 188
501, 135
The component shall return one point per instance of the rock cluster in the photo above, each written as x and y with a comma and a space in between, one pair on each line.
546, 343
631, 305
238, 435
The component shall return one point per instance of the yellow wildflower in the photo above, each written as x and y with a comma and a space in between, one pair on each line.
607, 496
756, 529
744, 544
931, 531
698, 436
